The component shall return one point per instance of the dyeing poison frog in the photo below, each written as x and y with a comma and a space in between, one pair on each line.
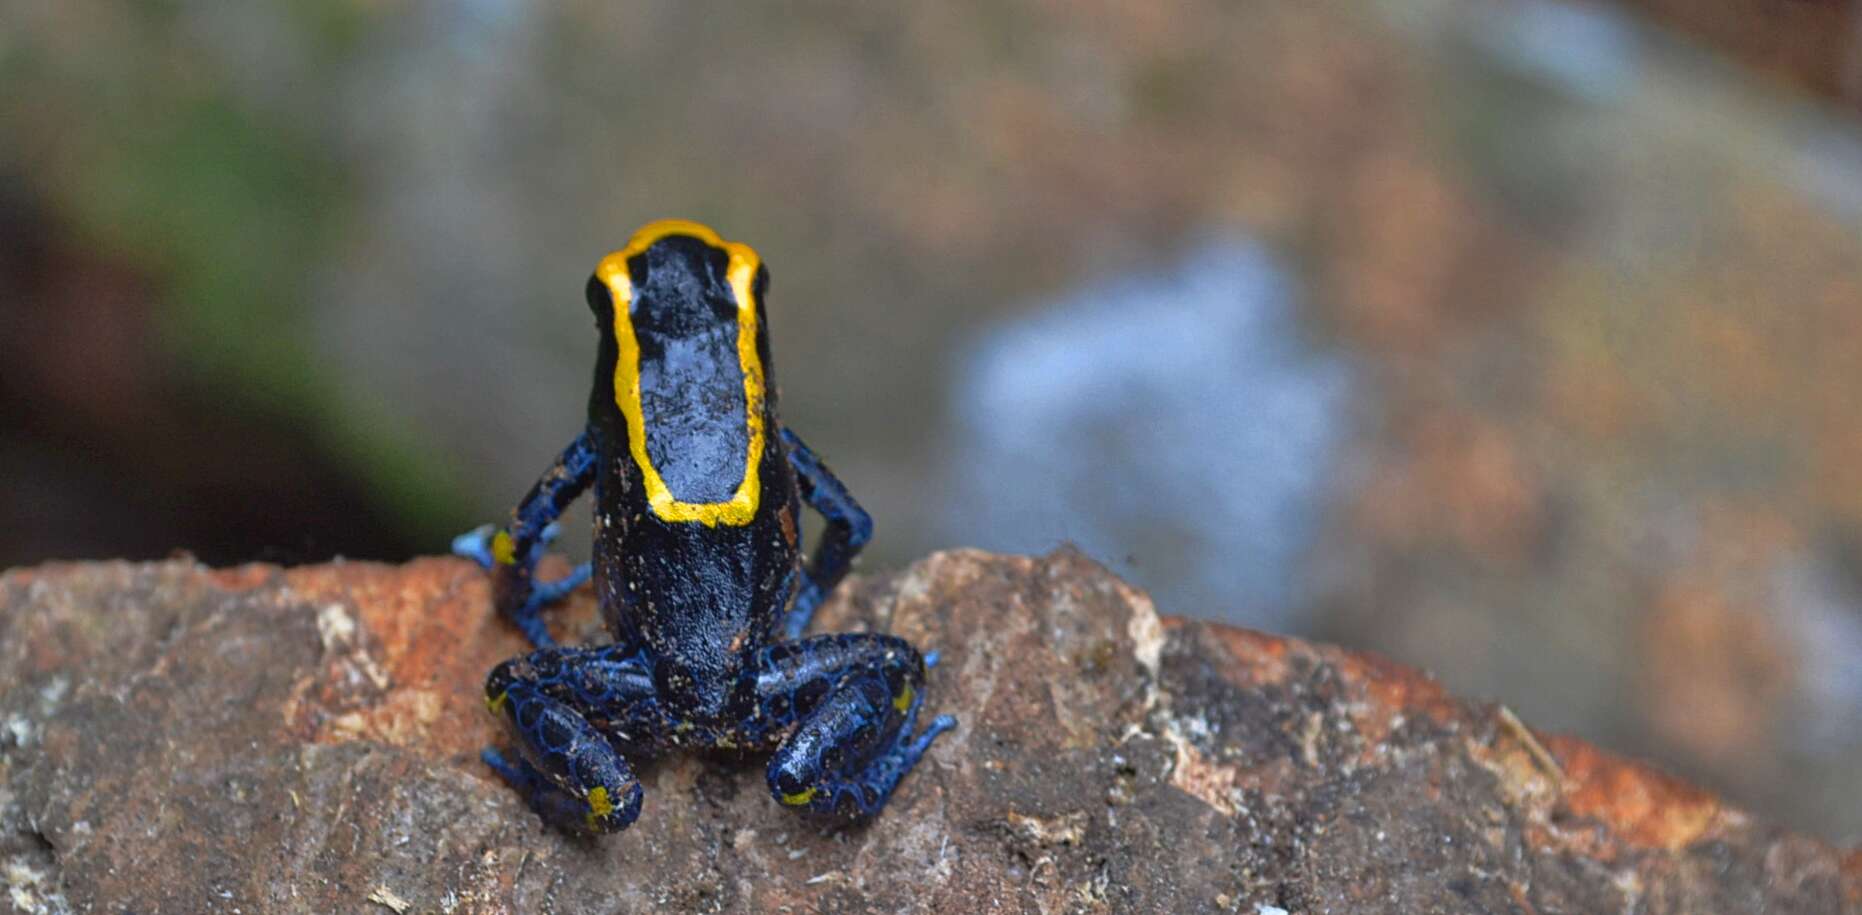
697, 567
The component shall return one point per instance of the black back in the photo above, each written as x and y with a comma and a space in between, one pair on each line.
706, 571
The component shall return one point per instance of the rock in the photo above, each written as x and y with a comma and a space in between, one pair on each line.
180, 739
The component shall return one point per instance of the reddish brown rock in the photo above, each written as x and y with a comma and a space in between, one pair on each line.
178, 739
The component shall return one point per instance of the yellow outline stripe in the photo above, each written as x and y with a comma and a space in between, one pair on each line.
744, 263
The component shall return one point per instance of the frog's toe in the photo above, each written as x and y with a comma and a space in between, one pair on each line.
549, 592
515, 777
475, 545
941, 723
931, 659
529, 621
911, 749
529, 616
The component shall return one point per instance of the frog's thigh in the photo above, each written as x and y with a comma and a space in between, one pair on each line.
856, 698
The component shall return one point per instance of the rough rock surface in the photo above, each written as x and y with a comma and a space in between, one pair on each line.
175, 739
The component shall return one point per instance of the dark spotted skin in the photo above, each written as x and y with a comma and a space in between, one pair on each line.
706, 608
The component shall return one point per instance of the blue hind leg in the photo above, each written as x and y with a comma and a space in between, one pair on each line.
569, 771
858, 739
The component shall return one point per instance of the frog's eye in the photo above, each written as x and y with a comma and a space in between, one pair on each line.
600, 301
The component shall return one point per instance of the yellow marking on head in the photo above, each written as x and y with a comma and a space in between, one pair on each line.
503, 550
496, 703
800, 797
744, 264
903, 700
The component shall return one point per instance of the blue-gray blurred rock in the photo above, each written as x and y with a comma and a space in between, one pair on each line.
1175, 424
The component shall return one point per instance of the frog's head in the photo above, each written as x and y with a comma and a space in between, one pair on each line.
676, 277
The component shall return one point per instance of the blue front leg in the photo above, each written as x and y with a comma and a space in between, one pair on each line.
512, 553
849, 528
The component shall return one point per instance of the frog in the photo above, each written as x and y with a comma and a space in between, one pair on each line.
697, 568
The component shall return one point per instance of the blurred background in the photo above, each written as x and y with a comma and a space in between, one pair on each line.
1521, 341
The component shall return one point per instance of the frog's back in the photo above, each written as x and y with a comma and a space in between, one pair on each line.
695, 528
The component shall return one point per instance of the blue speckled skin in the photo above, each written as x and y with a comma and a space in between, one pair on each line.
706, 618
